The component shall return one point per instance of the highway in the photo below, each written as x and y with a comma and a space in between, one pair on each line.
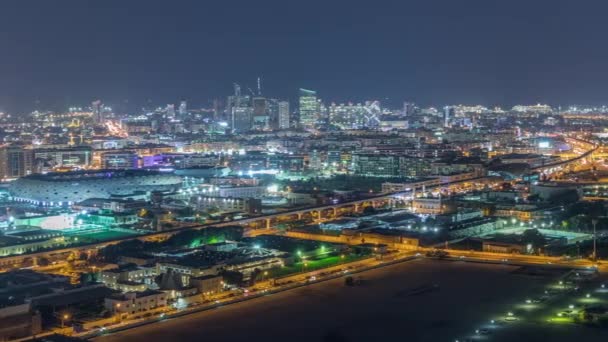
8, 261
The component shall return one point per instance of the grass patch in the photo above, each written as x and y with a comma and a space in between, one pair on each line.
315, 264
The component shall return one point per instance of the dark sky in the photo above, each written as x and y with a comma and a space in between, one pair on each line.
63, 52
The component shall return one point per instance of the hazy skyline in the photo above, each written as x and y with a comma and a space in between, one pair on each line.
430, 52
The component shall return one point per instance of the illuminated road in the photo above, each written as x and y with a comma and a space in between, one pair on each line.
294, 282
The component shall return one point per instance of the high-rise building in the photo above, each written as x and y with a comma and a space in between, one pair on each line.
309, 108
315, 161
388, 165
355, 116
408, 108
119, 160
448, 113
261, 119
241, 119
97, 110
183, 109
170, 110
239, 110
15, 161
283, 114
377, 165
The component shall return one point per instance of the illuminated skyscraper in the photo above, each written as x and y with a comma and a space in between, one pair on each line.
15, 161
239, 110
183, 108
309, 108
283, 115
241, 119
355, 116
261, 119
96, 108
170, 110
448, 113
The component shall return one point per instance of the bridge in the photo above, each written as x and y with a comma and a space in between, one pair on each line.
559, 166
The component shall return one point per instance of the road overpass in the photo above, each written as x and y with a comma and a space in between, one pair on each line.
315, 213
266, 221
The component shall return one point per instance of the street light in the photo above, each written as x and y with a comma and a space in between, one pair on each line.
594, 222
118, 312
64, 318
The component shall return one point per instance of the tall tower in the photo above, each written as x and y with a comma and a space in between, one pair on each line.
97, 110
170, 110
183, 109
283, 115
447, 114
309, 108
259, 86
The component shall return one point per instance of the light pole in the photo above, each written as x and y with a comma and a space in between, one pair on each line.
118, 312
64, 318
594, 222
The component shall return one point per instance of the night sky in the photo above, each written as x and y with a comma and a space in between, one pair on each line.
136, 52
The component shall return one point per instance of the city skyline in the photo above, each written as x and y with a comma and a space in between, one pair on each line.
427, 170
425, 52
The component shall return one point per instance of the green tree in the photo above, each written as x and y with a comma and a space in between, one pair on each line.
534, 237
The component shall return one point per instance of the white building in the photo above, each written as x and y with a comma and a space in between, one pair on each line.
135, 302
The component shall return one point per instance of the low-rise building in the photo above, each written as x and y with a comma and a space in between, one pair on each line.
232, 204
208, 285
432, 206
135, 302
129, 277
